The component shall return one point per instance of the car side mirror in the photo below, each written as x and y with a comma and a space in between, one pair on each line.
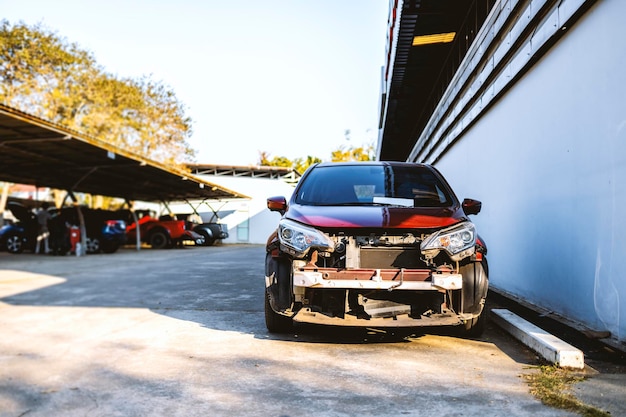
278, 204
471, 206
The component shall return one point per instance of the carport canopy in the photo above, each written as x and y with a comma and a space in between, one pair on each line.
36, 152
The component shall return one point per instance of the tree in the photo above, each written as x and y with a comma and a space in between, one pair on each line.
44, 75
353, 154
277, 161
301, 164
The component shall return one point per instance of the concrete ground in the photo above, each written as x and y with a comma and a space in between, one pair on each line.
180, 332
604, 386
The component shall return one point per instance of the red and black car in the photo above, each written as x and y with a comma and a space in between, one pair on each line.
160, 232
377, 245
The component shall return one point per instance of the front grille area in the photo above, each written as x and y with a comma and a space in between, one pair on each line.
382, 257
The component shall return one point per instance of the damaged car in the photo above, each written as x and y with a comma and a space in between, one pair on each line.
376, 245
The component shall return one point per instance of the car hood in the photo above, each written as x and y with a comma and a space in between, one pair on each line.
20, 212
375, 216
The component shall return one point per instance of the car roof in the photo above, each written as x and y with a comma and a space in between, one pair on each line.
376, 163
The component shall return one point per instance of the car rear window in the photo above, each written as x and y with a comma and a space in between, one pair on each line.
414, 186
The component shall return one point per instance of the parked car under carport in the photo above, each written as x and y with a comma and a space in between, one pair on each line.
212, 232
160, 232
104, 232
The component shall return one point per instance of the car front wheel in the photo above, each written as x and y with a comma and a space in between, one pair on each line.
476, 326
208, 239
475, 287
158, 240
93, 244
276, 323
14, 243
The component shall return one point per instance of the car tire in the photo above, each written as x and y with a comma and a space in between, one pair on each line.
276, 323
475, 287
476, 326
208, 239
159, 240
14, 243
92, 245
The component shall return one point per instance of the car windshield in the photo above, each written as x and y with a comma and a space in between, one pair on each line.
409, 186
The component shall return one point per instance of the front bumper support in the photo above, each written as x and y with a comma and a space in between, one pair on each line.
377, 279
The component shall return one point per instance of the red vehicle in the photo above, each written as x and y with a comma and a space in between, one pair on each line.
162, 232
377, 245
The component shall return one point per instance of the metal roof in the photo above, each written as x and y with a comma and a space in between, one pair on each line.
417, 75
288, 175
36, 152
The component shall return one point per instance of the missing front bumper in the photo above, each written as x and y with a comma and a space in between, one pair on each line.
307, 316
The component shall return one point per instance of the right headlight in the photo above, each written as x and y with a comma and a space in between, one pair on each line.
299, 238
459, 241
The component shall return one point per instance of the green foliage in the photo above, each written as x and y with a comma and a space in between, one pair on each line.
353, 154
277, 161
301, 164
552, 385
44, 75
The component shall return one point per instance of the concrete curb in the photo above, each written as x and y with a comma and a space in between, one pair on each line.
545, 344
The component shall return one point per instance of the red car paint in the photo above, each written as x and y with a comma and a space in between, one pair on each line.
374, 216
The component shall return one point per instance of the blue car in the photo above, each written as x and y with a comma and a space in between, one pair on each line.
17, 237
106, 232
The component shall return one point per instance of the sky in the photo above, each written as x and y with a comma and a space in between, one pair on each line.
285, 77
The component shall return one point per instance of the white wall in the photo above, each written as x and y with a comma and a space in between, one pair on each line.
248, 221
549, 163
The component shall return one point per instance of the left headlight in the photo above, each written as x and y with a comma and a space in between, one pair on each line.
459, 241
300, 238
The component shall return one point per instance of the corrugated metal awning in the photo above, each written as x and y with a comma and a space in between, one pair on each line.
36, 152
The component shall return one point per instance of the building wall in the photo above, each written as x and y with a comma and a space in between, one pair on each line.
248, 221
548, 160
